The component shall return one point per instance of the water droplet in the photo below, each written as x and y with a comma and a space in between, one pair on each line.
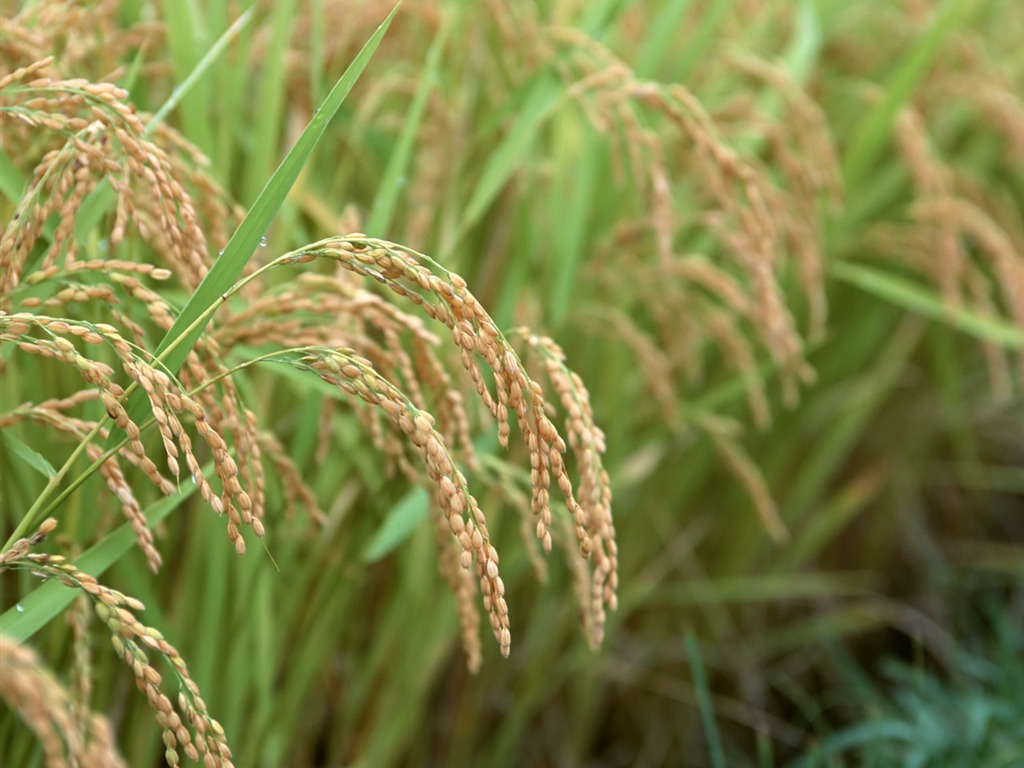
19, 608
194, 482
263, 242
220, 252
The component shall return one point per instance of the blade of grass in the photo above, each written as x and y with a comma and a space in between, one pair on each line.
182, 336
802, 54
856, 618
405, 675
398, 164
910, 296
664, 32
948, 375
399, 525
694, 48
575, 198
850, 420
39, 607
598, 16
831, 518
270, 113
28, 455
13, 182
539, 104
765, 751
761, 588
194, 76
875, 129
871, 733
187, 31
316, 49
716, 755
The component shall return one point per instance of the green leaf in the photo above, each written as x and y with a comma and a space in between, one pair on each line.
706, 37
403, 519
662, 36
272, 89
875, 129
910, 296
187, 33
398, 163
716, 752
12, 181
35, 610
572, 201
187, 329
204, 64
539, 104
31, 457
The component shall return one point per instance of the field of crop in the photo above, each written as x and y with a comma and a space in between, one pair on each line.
550, 383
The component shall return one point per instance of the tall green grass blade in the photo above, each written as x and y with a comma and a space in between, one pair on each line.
519, 273
316, 49
269, 113
664, 33
912, 297
539, 104
950, 382
187, 31
576, 193
399, 525
765, 752
391, 183
846, 621
758, 589
28, 455
244, 669
394, 723
212, 562
186, 85
872, 732
851, 417
802, 53
187, 329
830, 519
694, 47
12, 181
716, 754
36, 609
597, 16
132, 75
875, 129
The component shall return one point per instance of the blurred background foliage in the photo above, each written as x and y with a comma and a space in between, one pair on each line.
782, 245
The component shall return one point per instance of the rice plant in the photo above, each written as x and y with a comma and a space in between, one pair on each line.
358, 286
